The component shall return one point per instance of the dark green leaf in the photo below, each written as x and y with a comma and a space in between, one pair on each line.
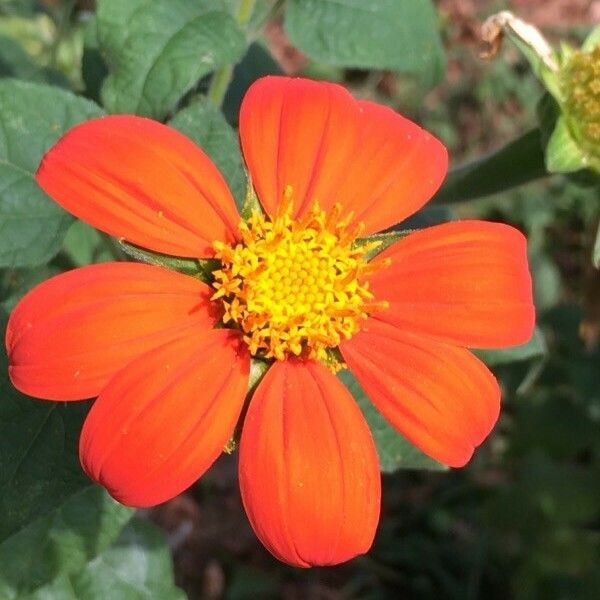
137, 567
395, 452
535, 348
156, 50
32, 118
39, 466
389, 34
14, 283
61, 543
519, 162
204, 123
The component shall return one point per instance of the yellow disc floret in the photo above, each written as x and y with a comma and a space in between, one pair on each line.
295, 286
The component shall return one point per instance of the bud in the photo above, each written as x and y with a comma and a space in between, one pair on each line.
570, 111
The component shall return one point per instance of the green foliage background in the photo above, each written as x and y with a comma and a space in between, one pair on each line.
521, 521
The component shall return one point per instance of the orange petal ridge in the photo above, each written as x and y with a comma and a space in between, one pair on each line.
440, 397
135, 178
309, 472
464, 283
68, 336
314, 137
164, 419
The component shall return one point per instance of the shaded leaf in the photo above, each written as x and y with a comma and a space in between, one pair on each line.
62, 542
14, 283
137, 567
32, 118
395, 452
400, 35
156, 50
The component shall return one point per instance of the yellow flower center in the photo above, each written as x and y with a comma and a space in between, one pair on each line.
296, 286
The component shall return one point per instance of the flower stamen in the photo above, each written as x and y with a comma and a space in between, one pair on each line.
296, 287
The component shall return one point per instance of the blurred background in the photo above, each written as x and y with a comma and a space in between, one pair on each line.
522, 520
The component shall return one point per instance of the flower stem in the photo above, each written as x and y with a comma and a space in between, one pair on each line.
222, 77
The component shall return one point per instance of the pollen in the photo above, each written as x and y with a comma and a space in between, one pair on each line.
296, 286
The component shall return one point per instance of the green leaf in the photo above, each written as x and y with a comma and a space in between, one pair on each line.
395, 452
400, 35
205, 124
15, 62
32, 118
157, 50
84, 245
519, 162
60, 543
137, 567
534, 349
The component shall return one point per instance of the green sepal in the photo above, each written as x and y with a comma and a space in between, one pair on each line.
563, 155
251, 203
592, 40
258, 369
202, 268
386, 239
548, 77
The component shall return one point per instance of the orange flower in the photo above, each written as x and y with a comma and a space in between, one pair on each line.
293, 289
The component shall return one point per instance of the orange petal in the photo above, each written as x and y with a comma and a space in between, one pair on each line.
70, 334
316, 138
138, 179
464, 283
397, 167
309, 472
164, 419
440, 397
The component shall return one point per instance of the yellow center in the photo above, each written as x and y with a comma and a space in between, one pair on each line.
296, 286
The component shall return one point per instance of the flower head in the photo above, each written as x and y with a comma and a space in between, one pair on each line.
169, 356
581, 85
